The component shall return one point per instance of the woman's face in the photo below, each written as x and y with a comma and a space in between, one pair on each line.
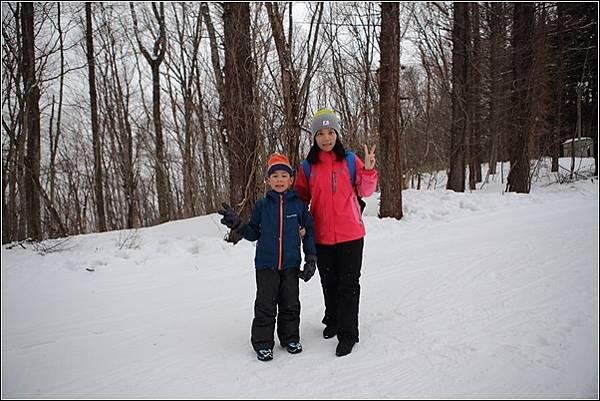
326, 138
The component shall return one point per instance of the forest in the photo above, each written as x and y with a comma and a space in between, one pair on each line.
127, 115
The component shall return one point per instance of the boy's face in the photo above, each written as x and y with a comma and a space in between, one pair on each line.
326, 138
280, 181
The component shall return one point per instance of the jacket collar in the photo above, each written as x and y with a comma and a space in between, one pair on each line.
289, 194
327, 156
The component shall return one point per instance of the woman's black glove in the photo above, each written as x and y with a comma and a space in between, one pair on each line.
230, 218
310, 266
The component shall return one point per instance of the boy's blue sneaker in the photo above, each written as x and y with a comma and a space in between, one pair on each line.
265, 354
293, 347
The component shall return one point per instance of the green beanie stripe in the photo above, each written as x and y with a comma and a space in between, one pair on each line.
325, 118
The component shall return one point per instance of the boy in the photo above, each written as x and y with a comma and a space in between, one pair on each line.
277, 221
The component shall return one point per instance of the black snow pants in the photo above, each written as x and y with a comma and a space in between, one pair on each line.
339, 268
276, 289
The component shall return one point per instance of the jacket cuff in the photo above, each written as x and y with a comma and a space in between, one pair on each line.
373, 171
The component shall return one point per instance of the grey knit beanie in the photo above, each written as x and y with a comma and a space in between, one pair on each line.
325, 118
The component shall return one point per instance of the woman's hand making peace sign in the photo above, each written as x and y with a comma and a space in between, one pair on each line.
370, 158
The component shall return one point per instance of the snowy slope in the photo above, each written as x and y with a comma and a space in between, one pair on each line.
476, 295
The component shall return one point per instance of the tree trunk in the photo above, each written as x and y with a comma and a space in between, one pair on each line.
496, 40
210, 195
577, 134
89, 36
389, 112
162, 175
128, 165
154, 60
215, 60
505, 88
12, 123
289, 81
469, 96
475, 100
53, 227
456, 174
32, 125
523, 23
182, 70
294, 92
241, 145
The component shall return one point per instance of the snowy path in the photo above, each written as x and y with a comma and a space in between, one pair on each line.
496, 298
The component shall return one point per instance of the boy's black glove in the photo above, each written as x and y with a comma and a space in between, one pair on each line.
230, 218
310, 265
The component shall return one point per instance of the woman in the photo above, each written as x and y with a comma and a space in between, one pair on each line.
330, 180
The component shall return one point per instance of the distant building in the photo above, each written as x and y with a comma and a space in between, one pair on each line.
583, 147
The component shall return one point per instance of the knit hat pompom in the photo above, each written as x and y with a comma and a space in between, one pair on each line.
325, 118
278, 161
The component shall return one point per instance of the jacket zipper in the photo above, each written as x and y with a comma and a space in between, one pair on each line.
280, 232
334, 181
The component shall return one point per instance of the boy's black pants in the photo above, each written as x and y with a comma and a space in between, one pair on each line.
276, 289
339, 268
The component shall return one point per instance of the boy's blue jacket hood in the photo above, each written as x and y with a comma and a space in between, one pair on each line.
289, 210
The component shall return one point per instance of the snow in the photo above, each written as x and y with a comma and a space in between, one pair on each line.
483, 294
583, 138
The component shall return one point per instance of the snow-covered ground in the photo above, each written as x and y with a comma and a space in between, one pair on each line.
483, 294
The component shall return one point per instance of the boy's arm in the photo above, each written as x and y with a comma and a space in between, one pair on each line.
251, 231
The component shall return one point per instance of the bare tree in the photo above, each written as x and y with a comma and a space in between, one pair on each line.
115, 106
456, 174
558, 85
294, 92
541, 106
183, 70
13, 223
523, 23
89, 40
240, 122
579, 107
474, 98
214, 55
155, 59
54, 137
497, 61
429, 135
219, 83
32, 124
389, 130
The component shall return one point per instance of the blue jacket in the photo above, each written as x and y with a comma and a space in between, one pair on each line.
279, 216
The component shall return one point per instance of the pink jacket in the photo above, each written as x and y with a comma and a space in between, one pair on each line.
333, 203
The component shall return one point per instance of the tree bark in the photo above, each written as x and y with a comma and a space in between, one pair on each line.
495, 15
389, 112
89, 36
154, 60
241, 145
523, 23
289, 81
13, 210
188, 32
32, 125
475, 99
55, 224
456, 174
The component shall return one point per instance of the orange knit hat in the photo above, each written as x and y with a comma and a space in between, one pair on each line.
278, 161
